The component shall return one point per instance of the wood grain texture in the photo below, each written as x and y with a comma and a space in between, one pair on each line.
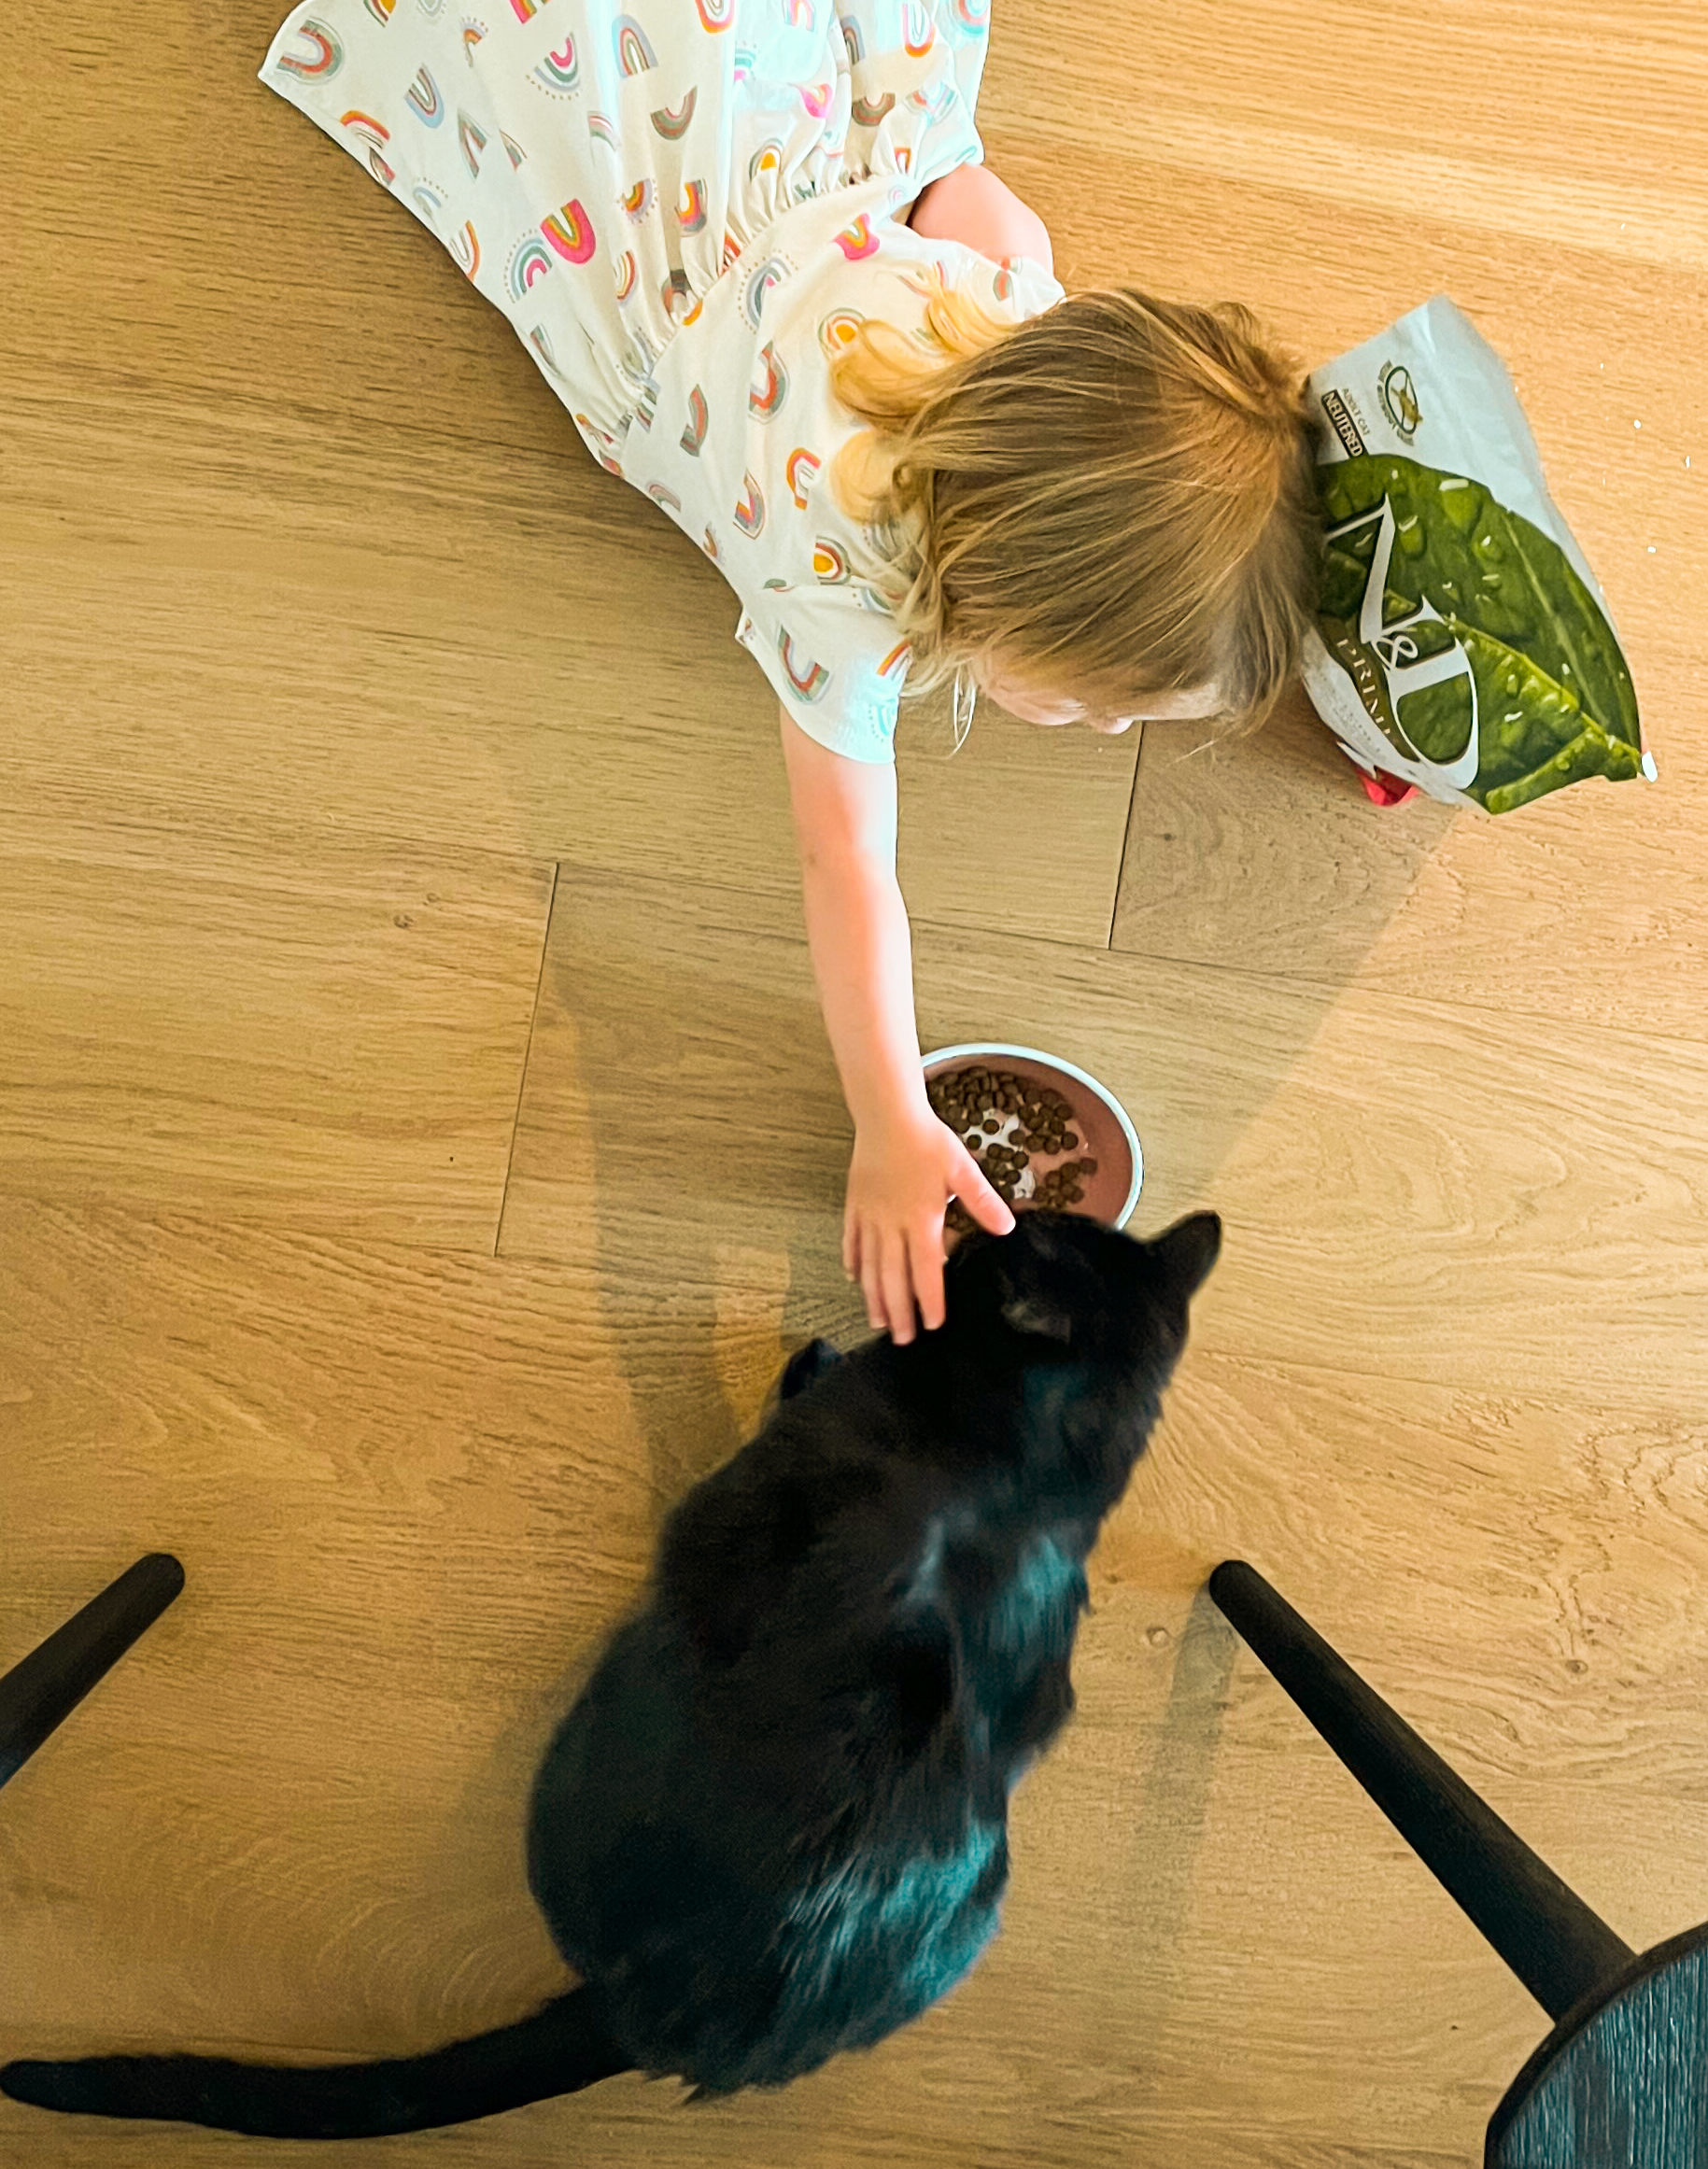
336, 582
1527, 1211
313, 609
411, 1491
293, 1024
1350, 121
1264, 851
1627, 2089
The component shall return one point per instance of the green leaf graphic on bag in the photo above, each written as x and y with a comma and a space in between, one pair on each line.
1470, 638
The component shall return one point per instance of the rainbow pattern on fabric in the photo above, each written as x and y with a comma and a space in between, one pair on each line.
1002, 282
472, 137
326, 58
868, 112
765, 399
473, 32
801, 474
779, 587
646, 405
428, 201
372, 135
691, 213
601, 130
839, 331
526, 9
772, 273
543, 347
829, 563
857, 241
634, 54
935, 100
599, 443
974, 15
422, 98
711, 548
750, 508
715, 15
465, 249
639, 199
513, 150
560, 71
896, 659
364, 127
768, 159
801, 14
570, 232
808, 679
380, 11
667, 498
637, 361
816, 97
673, 125
854, 40
628, 275
531, 261
694, 436
918, 31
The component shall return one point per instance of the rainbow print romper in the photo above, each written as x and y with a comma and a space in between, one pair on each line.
684, 209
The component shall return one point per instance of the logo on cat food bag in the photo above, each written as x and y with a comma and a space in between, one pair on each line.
1389, 662
1399, 397
1343, 427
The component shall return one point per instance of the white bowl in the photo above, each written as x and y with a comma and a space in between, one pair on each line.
1109, 1129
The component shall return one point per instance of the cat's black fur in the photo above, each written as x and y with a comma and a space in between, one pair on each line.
775, 1824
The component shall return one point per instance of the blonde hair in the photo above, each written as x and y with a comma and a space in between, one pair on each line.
1114, 498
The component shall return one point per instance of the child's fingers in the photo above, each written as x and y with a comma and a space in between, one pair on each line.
925, 1258
871, 1280
974, 1192
898, 1287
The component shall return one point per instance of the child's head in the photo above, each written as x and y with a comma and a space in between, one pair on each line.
1109, 505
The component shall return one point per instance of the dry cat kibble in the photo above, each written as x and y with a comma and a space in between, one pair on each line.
1006, 1121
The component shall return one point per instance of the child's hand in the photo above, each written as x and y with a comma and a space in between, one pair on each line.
904, 1174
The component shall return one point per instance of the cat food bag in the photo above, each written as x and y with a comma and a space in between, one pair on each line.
1461, 643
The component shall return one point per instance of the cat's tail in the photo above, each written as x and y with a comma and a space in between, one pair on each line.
560, 2049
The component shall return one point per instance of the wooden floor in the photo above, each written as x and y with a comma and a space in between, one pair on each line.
398, 959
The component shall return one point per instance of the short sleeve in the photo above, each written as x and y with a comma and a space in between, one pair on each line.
830, 665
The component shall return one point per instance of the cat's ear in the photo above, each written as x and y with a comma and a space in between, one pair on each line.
1188, 1250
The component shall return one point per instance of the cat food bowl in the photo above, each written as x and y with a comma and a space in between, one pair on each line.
1045, 1132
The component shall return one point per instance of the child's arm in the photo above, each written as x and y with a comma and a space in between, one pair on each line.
907, 1165
972, 206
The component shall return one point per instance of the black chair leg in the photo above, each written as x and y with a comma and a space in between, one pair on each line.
1558, 1949
41, 1690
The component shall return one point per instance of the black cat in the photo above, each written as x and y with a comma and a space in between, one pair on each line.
774, 1826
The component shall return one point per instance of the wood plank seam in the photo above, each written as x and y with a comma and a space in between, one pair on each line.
534, 1018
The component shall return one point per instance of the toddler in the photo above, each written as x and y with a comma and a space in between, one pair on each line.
754, 249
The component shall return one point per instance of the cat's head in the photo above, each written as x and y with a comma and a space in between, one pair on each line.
1081, 1308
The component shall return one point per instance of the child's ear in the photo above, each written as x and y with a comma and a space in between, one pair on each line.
1188, 1250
